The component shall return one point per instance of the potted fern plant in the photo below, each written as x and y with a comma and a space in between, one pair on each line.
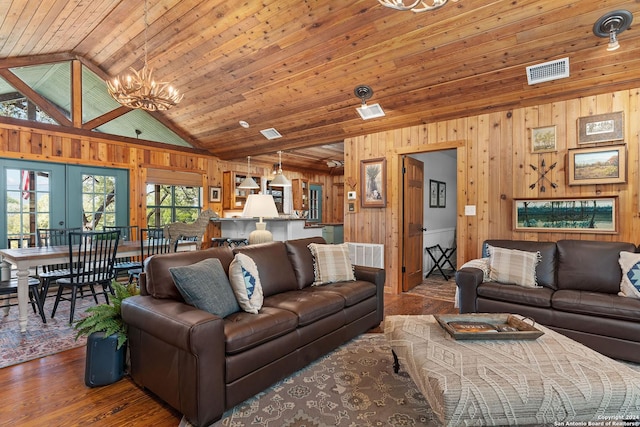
107, 337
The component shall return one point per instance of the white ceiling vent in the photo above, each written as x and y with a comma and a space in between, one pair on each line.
370, 111
271, 133
547, 71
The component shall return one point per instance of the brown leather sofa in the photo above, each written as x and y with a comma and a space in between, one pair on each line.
579, 295
202, 364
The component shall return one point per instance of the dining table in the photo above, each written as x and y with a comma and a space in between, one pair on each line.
25, 259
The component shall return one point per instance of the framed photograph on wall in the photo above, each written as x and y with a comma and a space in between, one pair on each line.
579, 215
598, 165
601, 128
433, 193
543, 139
373, 180
215, 194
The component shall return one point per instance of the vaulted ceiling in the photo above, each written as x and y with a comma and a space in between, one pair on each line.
293, 64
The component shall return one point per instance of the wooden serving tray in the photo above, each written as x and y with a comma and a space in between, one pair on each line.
488, 326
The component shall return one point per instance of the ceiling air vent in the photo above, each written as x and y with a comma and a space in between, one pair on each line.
547, 71
271, 133
370, 111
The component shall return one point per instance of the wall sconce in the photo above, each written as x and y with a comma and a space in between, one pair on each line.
611, 24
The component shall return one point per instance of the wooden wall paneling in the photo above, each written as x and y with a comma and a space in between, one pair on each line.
486, 134
473, 141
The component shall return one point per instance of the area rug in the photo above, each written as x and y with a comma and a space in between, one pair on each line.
352, 386
40, 339
439, 289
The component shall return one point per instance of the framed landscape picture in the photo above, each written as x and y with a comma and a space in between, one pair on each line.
373, 179
578, 215
543, 140
598, 165
601, 128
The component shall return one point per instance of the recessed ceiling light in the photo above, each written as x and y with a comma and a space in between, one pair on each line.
244, 124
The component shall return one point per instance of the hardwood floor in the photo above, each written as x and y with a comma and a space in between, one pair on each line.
50, 391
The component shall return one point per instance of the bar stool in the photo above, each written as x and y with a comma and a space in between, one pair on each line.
8, 287
234, 242
219, 241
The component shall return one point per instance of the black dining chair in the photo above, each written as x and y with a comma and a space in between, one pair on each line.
127, 233
93, 260
152, 242
9, 290
50, 273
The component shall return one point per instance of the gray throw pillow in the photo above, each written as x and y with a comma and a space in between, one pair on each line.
206, 286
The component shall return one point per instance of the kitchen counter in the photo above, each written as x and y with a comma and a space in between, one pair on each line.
281, 228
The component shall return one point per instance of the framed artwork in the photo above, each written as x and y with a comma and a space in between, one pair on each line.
598, 165
543, 139
373, 179
215, 194
437, 194
578, 214
601, 128
442, 195
433, 193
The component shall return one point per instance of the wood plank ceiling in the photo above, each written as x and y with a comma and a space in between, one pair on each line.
293, 64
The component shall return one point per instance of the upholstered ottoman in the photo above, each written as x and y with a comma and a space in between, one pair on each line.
551, 379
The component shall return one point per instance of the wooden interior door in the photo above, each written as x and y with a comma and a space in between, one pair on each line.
413, 206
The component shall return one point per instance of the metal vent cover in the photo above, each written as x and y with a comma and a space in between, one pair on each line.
547, 71
370, 111
271, 133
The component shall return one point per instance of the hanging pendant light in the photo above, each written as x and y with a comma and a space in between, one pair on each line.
280, 180
139, 90
249, 182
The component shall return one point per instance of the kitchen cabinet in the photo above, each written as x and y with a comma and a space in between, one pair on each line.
232, 196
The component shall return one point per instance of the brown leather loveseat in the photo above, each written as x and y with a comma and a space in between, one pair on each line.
578, 297
202, 364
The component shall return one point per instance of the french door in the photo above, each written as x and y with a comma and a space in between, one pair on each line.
53, 195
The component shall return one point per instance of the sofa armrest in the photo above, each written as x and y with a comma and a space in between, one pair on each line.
467, 280
178, 352
173, 322
377, 276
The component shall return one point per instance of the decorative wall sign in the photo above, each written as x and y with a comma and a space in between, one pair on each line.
542, 176
215, 194
543, 140
598, 165
579, 215
601, 128
373, 179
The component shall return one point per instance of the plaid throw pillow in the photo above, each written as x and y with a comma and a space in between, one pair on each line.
331, 263
630, 284
511, 266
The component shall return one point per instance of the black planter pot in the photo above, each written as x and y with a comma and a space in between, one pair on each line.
105, 363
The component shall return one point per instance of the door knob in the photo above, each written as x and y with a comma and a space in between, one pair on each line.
423, 229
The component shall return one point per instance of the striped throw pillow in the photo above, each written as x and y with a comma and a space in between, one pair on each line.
511, 266
331, 263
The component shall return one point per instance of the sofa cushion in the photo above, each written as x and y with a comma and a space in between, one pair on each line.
546, 268
597, 304
352, 292
511, 266
275, 276
245, 281
205, 286
243, 331
331, 263
630, 265
302, 260
159, 282
308, 304
588, 265
537, 297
